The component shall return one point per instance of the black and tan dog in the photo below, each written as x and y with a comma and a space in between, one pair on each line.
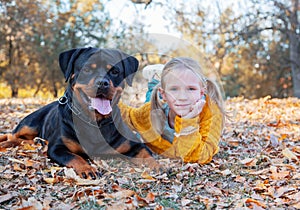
84, 123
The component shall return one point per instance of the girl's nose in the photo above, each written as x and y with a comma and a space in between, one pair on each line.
182, 95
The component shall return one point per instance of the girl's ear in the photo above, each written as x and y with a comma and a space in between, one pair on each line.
162, 93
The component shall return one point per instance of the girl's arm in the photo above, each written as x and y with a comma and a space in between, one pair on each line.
138, 119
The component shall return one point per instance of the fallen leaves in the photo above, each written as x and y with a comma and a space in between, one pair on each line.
257, 168
290, 155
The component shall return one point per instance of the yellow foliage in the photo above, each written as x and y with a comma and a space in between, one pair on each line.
5, 92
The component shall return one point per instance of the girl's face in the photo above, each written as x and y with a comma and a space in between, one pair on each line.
182, 90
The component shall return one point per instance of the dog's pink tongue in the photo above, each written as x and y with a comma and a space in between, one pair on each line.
101, 105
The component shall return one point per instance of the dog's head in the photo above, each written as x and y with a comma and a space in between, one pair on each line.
94, 75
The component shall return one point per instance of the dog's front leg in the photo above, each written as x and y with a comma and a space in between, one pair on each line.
69, 153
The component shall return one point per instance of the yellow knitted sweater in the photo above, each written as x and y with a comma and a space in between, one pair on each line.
195, 140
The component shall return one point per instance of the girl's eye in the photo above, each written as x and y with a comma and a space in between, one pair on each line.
173, 88
192, 88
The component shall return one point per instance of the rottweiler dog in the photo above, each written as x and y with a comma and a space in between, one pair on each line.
85, 122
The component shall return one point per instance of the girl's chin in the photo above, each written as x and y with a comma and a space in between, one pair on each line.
182, 112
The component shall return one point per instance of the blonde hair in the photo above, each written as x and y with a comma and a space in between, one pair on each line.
158, 117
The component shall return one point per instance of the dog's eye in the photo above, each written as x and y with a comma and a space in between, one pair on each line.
87, 70
114, 71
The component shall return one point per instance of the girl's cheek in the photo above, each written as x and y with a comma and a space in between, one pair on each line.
171, 97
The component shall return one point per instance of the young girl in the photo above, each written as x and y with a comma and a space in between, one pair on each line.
185, 115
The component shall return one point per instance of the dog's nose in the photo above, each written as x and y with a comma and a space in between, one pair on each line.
102, 83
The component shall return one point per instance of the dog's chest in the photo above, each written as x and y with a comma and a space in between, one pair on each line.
97, 140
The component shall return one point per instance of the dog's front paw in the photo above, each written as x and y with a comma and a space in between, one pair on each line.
88, 172
83, 169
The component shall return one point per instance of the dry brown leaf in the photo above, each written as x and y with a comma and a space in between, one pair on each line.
274, 141
296, 176
289, 154
226, 172
29, 147
282, 190
17, 167
32, 188
121, 194
50, 180
234, 142
87, 182
31, 204
256, 207
15, 160
147, 176
149, 198
294, 196
251, 201
240, 179
249, 161
278, 175
296, 205
213, 190
295, 149
185, 202
3, 149
281, 175
260, 186
32, 163
263, 171
70, 173
7, 197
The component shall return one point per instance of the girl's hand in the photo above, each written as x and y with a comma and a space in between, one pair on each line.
196, 109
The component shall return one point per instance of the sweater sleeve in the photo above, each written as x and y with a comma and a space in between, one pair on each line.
138, 119
197, 139
133, 116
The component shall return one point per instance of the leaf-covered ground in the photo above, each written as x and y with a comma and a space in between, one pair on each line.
257, 168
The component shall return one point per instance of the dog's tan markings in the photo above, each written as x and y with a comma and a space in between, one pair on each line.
145, 158
93, 65
83, 104
4, 137
81, 167
73, 146
108, 66
91, 83
143, 154
25, 134
124, 147
112, 91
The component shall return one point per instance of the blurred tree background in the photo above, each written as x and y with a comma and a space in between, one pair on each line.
253, 44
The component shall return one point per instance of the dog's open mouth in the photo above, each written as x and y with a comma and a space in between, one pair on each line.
102, 105
98, 103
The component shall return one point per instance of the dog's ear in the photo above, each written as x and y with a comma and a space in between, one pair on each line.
68, 58
131, 65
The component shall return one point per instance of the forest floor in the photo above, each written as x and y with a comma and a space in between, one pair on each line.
257, 167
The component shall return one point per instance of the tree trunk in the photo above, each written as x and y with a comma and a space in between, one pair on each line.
295, 49
14, 92
295, 64
55, 91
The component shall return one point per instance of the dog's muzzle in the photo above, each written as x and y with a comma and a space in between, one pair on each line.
100, 102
